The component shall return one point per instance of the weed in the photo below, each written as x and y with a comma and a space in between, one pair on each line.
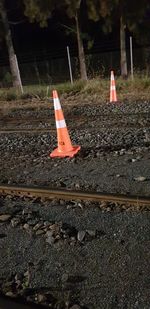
126, 89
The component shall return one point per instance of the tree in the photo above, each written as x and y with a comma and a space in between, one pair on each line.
108, 11
12, 57
129, 13
74, 8
41, 11
125, 12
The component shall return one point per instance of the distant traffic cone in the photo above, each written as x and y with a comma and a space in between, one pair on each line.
113, 94
65, 148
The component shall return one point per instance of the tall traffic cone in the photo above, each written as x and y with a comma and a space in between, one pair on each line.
113, 94
65, 148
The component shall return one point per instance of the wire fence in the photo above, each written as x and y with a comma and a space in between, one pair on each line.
46, 69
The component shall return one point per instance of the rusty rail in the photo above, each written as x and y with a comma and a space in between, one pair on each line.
51, 193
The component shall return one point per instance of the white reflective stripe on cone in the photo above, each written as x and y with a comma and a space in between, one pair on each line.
57, 105
60, 124
113, 88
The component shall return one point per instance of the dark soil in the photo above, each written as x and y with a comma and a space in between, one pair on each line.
108, 268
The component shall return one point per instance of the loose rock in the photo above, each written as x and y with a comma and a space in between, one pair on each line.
81, 235
4, 217
140, 178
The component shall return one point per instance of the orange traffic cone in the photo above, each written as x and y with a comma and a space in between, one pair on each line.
65, 148
113, 94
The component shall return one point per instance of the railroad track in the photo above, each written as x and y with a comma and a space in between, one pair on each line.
81, 125
77, 117
29, 124
28, 130
46, 130
39, 192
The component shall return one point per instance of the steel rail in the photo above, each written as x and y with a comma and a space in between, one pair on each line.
12, 130
31, 119
80, 119
7, 129
25, 118
43, 130
51, 193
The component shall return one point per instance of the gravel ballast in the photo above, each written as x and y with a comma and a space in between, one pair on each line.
89, 256
75, 255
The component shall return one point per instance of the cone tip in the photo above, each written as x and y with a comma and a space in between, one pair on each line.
55, 94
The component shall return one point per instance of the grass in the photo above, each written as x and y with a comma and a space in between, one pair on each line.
40, 91
97, 88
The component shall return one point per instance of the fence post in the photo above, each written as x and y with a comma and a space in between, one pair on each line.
18, 72
69, 63
131, 57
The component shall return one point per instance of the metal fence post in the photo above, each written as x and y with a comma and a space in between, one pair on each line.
69, 63
131, 57
18, 72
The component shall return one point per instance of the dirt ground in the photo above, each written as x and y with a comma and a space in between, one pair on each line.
68, 254
108, 268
